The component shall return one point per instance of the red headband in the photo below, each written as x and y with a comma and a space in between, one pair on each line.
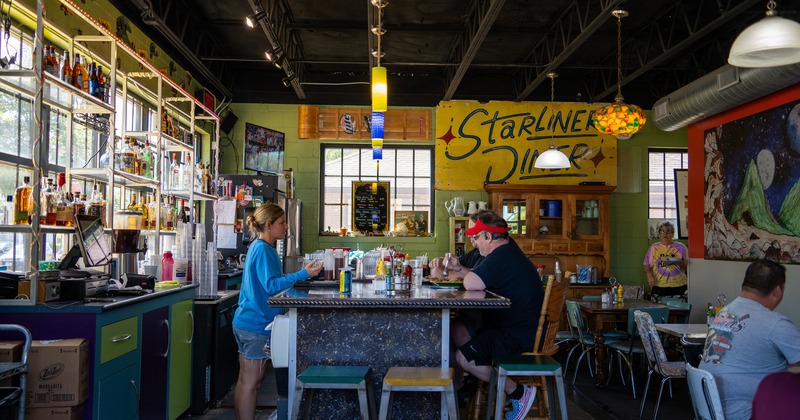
479, 226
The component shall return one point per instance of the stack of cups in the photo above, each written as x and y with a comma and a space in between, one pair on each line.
199, 267
213, 269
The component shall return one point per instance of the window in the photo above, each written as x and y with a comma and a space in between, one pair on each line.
661, 181
408, 169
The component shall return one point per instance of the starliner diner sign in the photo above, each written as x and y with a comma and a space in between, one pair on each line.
499, 142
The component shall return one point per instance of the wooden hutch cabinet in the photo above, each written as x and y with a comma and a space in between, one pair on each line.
570, 222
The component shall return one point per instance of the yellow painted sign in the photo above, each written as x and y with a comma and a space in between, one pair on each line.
499, 142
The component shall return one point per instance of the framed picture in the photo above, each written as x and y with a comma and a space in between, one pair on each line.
411, 223
682, 201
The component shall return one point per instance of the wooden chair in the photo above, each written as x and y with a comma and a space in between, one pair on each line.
555, 294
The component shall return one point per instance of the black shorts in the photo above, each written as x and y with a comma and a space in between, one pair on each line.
487, 345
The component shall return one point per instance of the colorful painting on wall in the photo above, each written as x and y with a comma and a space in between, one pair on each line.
752, 187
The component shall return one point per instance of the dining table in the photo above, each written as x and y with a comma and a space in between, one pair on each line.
599, 313
696, 331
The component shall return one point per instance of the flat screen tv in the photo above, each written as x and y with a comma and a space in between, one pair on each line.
263, 149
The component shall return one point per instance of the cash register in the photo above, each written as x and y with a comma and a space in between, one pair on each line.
92, 246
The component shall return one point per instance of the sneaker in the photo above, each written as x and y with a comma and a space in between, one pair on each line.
520, 407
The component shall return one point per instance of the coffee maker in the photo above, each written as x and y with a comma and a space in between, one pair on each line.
127, 229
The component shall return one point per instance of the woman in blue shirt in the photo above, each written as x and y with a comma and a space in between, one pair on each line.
263, 277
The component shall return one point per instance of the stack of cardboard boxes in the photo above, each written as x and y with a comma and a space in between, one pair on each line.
57, 383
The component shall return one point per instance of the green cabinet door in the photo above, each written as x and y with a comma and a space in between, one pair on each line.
180, 357
118, 395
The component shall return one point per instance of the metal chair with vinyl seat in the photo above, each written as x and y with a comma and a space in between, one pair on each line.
656, 358
678, 304
625, 350
586, 340
705, 395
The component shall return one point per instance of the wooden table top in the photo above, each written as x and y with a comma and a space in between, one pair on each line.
684, 330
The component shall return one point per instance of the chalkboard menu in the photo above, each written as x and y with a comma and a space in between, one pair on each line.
370, 206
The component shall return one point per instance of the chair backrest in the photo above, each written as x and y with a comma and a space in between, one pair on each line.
705, 395
649, 335
660, 315
554, 296
574, 317
679, 304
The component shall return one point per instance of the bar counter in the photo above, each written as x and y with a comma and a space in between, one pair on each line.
365, 328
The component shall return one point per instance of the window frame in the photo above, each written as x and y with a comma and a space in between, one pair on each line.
391, 178
667, 182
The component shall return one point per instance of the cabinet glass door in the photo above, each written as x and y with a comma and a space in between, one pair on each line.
587, 217
514, 211
551, 220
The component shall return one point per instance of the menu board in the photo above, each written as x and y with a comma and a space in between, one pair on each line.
370, 206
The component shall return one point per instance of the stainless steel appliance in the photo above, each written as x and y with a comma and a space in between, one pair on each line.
290, 248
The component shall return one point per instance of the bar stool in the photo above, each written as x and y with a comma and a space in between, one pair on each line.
526, 365
424, 379
335, 377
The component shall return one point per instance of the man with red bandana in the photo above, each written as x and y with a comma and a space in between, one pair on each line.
507, 272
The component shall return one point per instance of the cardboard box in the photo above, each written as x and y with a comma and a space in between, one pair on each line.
10, 351
58, 373
54, 413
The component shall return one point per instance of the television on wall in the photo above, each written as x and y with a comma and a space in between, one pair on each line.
263, 149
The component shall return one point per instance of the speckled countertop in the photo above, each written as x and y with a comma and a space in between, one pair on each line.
363, 295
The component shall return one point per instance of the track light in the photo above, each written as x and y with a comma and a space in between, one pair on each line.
287, 81
253, 19
276, 56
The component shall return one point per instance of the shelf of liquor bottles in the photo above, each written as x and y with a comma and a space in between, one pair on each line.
56, 93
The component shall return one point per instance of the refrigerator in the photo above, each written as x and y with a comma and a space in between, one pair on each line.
290, 248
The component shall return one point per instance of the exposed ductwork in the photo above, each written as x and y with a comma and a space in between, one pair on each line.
720, 91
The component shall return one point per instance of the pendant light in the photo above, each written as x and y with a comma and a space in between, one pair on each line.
552, 158
619, 119
772, 41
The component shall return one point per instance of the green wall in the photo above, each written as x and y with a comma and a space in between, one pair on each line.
629, 240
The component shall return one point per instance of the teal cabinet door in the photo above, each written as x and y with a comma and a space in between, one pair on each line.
118, 395
180, 357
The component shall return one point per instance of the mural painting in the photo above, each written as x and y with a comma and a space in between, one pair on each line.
752, 187
498, 142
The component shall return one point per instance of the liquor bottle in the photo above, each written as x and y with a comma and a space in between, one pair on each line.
47, 61
171, 220
145, 209
48, 203
133, 206
187, 181
79, 204
8, 214
182, 215
147, 160
164, 211
23, 205
78, 72
53, 61
65, 69
206, 181
174, 174
101, 84
127, 157
63, 207
96, 206
152, 220
92, 79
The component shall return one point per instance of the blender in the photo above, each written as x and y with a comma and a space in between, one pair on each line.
127, 227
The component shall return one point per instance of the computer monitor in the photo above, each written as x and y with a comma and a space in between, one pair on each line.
92, 244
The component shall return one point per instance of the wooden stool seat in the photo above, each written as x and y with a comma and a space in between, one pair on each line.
425, 379
526, 365
335, 377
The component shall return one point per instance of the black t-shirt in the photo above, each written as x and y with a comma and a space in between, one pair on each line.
509, 273
471, 259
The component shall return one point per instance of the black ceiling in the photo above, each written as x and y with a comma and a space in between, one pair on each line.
449, 49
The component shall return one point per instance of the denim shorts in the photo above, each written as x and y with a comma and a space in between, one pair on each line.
251, 345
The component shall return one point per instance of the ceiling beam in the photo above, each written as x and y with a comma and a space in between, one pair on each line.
653, 45
482, 17
570, 30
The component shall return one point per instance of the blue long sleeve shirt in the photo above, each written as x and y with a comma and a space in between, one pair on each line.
263, 277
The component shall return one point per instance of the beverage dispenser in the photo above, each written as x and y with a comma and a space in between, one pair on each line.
127, 227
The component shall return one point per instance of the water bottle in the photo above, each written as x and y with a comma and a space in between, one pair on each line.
167, 263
